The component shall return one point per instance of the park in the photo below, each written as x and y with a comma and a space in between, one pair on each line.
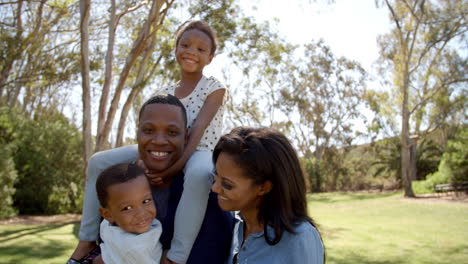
371, 94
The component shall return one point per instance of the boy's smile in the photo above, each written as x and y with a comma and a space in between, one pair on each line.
130, 205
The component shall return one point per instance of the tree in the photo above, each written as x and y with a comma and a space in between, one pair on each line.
37, 59
421, 51
320, 95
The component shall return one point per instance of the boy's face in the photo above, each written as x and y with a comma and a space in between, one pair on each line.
130, 205
161, 136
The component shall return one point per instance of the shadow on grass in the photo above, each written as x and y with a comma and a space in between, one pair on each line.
27, 231
27, 251
34, 244
356, 258
347, 197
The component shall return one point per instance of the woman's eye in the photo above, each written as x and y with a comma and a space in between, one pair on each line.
226, 186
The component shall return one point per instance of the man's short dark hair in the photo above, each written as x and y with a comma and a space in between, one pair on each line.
165, 99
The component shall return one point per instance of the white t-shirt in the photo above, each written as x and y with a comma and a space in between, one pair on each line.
121, 247
194, 102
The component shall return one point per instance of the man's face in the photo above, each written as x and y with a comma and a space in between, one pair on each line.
161, 136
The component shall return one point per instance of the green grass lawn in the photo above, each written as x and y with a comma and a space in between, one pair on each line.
356, 228
385, 228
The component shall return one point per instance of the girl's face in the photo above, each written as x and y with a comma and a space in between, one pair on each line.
236, 192
193, 52
130, 205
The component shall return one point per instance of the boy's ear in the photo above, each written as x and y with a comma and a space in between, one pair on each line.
106, 214
265, 187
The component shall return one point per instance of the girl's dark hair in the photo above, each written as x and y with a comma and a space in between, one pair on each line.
203, 27
165, 99
266, 155
115, 174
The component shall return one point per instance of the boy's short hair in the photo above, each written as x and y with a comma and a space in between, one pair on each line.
115, 174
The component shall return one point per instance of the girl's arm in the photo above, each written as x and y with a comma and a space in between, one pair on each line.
209, 109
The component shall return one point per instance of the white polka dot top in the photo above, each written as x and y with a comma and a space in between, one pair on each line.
194, 102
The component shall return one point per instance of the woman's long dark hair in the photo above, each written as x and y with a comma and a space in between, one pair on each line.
267, 155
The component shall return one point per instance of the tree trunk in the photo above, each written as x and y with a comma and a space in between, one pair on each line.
86, 97
405, 144
108, 72
138, 47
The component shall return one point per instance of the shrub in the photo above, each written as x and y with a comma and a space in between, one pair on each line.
8, 177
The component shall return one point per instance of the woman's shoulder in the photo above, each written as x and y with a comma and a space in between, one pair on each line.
303, 232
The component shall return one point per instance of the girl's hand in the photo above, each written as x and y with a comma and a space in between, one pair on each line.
161, 179
98, 260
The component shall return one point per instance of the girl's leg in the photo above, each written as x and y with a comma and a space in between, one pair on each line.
192, 206
89, 228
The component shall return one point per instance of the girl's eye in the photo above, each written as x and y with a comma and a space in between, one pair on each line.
173, 133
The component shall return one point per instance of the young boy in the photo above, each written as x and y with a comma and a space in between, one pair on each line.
129, 230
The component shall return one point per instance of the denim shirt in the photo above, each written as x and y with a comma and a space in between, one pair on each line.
302, 247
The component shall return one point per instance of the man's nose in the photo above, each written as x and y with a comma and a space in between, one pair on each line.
159, 138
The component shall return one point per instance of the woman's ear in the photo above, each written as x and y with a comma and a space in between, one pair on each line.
106, 214
265, 187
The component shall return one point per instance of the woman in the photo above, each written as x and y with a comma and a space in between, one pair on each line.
258, 173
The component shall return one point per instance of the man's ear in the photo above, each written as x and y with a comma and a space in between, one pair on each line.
106, 214
265, 187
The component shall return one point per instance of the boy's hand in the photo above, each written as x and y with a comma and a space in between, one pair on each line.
165, 260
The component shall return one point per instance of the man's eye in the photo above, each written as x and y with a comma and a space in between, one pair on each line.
147, 130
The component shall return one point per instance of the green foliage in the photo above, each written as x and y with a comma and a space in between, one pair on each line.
47, 160
8, 178
456, 156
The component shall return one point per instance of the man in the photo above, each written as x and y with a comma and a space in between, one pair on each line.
161, 137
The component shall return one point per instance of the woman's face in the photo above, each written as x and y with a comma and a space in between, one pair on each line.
236, 192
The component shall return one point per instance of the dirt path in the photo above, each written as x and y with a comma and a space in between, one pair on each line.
42, 219
75, 218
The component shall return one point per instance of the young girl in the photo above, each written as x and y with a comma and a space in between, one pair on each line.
204, 100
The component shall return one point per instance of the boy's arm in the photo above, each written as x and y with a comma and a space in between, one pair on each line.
209, 109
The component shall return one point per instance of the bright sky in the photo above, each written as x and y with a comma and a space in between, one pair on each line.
349, 27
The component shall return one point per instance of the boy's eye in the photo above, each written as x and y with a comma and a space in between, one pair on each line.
126, 208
